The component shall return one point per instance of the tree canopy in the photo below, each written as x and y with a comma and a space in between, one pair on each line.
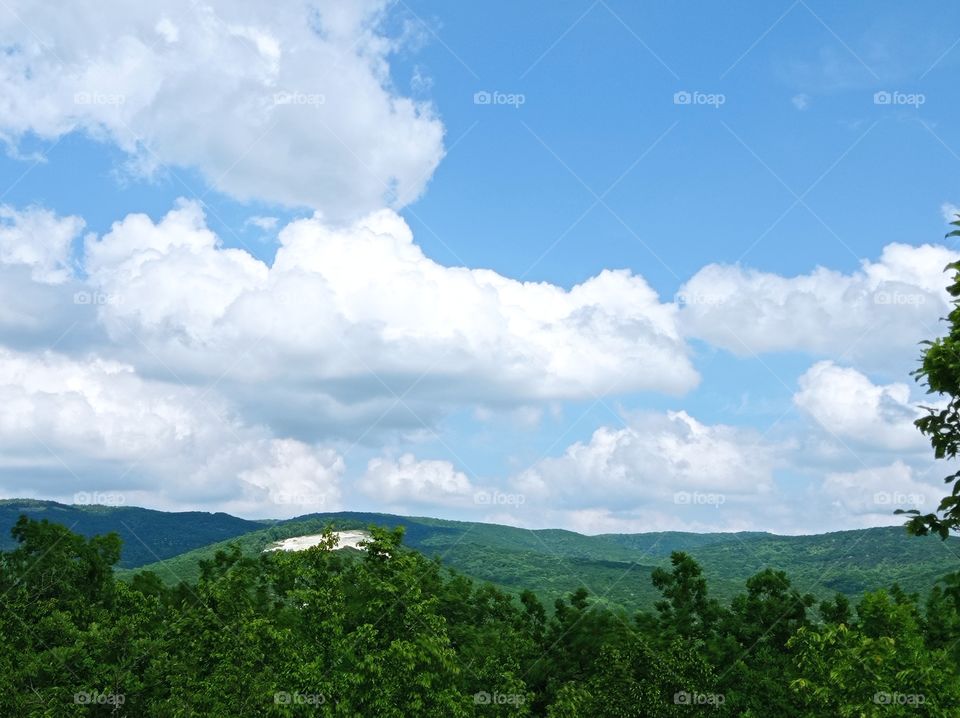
388, 632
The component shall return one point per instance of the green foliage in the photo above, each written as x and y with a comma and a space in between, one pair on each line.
879, 666
390, 632
615, 568
685, 610
550, 563
147, 535
940, 371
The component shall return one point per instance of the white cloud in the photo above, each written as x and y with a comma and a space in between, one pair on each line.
949, 211
408, 481
173, 273
36, 315
801, 101
265, 224
420, 82
297, 475
593, 521
359, 314
289, 103
42, 302
321, 341
846, 404
37, 238
662, 472
870, 496
875, 315
93, 425
672, 472
654, 459
770, 516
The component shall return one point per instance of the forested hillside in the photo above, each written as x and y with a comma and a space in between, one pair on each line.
616, 568
147, 535
388, 632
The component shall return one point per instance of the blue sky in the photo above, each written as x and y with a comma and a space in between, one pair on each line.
816, 136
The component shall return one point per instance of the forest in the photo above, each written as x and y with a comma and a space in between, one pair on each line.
389, 632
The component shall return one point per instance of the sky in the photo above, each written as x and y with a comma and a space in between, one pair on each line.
603, 266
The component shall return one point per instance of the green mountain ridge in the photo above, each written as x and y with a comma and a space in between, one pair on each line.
148, 534
614, 568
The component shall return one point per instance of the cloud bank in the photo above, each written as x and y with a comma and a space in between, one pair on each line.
290, 104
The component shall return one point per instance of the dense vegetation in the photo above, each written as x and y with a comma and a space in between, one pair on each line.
940, 371
615, 568
148, 535
389, 632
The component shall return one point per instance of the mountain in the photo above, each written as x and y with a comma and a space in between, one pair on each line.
148, 535
613, 567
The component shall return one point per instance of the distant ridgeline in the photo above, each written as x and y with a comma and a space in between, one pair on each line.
614, 568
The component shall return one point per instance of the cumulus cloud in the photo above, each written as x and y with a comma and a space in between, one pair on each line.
94, 425
656, 457
875, 315
171, 274
850, 407
870, 496
295, 474
203, 375
359, 314
592, 521
40, 240
42, 303
408, 481
662, 472
289, 103
39, 315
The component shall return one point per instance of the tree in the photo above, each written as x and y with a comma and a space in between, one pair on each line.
879, 667
940, 371
754, 634
686, 610
835, 610
634, 681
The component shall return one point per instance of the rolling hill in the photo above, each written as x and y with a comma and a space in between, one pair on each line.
148, 535
613, 567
